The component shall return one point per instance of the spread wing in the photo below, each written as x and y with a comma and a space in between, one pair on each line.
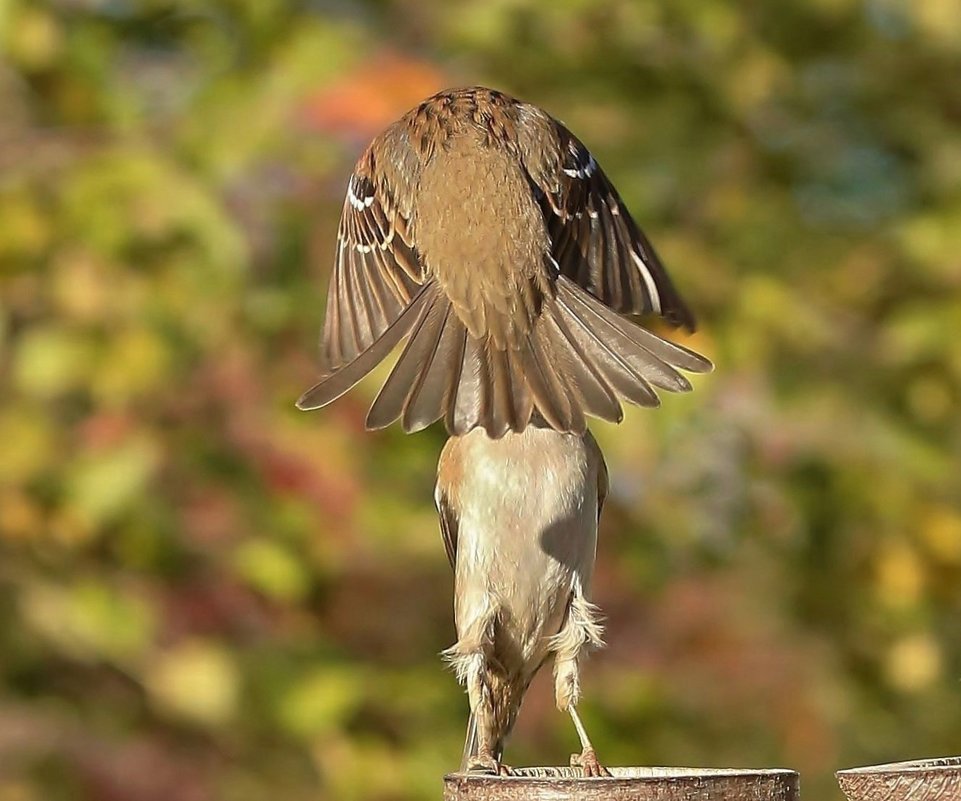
595, 241
376, 272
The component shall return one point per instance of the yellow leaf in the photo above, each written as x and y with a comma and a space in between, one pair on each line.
197, 680
272, 569
914, 662
137, 361
899, 575
20, 517
940, 531
34, 38
89, 621
939, 20
323, 700
28, 443
103, 484
50, 360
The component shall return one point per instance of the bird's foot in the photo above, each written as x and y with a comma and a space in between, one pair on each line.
485, 763
587, 762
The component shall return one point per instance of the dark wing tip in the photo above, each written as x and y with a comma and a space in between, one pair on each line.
680, 316
595, 240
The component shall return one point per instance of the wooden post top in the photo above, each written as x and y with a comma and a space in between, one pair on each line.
626, 784
919, 780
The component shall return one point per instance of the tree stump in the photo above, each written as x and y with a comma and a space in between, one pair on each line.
626, 784
919, 780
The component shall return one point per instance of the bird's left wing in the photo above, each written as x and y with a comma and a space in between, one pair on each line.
376, 272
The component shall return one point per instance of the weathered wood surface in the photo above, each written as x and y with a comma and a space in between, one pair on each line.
919, 780
626, 784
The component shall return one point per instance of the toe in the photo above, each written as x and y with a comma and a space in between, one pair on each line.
483, 764
588, 763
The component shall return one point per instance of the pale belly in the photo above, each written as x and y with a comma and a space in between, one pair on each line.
527, 511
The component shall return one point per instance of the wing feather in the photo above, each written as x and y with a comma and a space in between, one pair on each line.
595, 241
376, 272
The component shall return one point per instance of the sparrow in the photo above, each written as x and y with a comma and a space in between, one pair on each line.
519, 521
485, 232
481, 230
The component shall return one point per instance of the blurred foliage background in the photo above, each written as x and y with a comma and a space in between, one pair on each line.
205, 594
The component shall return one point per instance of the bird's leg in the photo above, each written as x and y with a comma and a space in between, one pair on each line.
581, 630
484, 759
586, 760
567, 689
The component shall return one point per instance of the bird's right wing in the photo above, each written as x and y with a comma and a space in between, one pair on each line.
594, 239
376, 272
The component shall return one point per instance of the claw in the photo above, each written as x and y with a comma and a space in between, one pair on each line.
587, 762
486, 764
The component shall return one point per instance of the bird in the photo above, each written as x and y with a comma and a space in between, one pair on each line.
519, 521
483, 232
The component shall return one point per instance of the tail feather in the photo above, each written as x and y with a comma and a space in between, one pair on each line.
465, 410
523, 399
593, 390
614, 330
579, 358
407, 373
618, 372
550, 396
438, 378
550, 353
502, 417
458, 356
670, 352
332, 386
664, 350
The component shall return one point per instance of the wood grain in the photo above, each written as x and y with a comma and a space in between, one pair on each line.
626, 784
919, 780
